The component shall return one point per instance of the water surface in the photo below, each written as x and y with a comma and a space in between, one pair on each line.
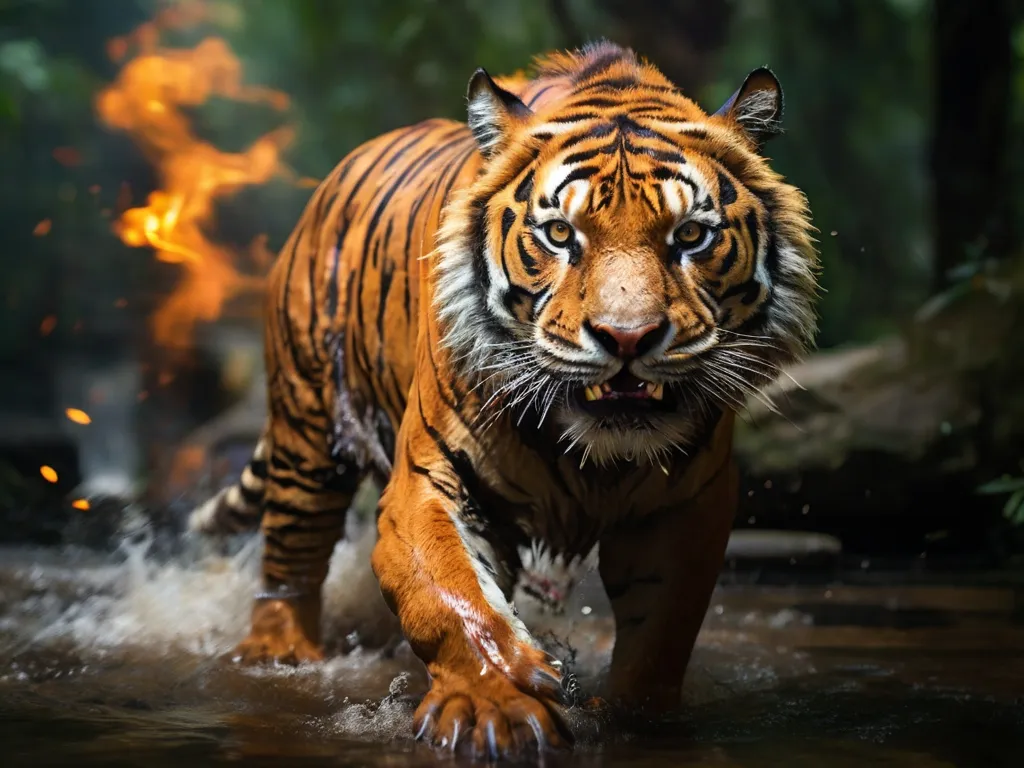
115, 660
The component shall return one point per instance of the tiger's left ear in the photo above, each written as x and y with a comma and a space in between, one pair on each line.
494, 113
756, 107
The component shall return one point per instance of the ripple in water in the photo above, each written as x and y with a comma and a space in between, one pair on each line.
104, 655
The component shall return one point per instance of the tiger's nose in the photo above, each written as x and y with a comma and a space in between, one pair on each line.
627, 343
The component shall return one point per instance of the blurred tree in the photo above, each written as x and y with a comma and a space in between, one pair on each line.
683, 37
973, 199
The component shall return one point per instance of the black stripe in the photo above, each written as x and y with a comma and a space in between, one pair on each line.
771, 259
300, 514
554, 337
525, 188
479, 245
729, 261
750, 289
337, 182
599, 65
576, 175
574, 117
508, 218
538, 94
726, 190
664, 156
618, 83
696, 133
579, 157
598, 102
592, 132
755, 235
252, 497
529, 263
386, 276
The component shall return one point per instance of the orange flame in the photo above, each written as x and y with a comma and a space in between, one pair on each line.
147, 101
49, 473
82, 504
77, 415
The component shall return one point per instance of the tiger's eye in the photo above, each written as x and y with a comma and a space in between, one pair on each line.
559, 233
689, 233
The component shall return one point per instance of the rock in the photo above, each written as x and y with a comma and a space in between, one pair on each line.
885, 444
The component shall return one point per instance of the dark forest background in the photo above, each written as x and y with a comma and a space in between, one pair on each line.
903, 125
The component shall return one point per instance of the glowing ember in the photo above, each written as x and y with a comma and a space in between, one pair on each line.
42, 228
82, 504
67, 156
49, 473
78, 416
148, 101
49, 323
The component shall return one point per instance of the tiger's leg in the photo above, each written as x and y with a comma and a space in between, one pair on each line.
493, 692
306, 497
659, 575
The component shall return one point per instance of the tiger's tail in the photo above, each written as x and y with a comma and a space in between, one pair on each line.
239, 507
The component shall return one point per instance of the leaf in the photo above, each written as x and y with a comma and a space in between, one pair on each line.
1014, 508
1003, 485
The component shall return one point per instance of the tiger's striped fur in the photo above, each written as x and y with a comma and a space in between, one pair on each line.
427, 323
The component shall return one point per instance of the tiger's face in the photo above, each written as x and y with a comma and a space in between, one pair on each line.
626, 264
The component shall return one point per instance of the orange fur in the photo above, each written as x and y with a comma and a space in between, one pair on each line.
418, 327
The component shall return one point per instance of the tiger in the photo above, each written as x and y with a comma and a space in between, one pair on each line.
534, 329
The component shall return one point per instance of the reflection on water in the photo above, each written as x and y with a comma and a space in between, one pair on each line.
116, 661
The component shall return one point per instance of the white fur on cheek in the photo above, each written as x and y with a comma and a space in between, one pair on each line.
465, 310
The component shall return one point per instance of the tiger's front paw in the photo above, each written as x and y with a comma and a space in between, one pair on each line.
279, 633
488, 718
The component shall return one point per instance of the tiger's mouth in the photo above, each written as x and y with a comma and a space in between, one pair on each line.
625, 394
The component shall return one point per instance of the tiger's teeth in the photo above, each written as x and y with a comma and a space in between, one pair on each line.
657, 391
606, 387
593, 392
588, 393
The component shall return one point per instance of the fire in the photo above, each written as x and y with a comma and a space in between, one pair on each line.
49, 473
77, 415
82, 504
148, 101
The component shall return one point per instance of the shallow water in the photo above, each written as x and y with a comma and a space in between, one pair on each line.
115, 660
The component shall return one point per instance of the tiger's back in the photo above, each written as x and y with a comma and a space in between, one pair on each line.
346, 287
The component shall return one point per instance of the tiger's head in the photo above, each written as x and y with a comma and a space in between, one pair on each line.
625, 263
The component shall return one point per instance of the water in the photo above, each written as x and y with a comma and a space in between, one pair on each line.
115, 660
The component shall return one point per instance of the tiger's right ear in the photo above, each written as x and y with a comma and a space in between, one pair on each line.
494, 113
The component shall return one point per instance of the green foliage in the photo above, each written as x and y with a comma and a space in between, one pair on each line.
1013, 510
356, 70
857, 106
